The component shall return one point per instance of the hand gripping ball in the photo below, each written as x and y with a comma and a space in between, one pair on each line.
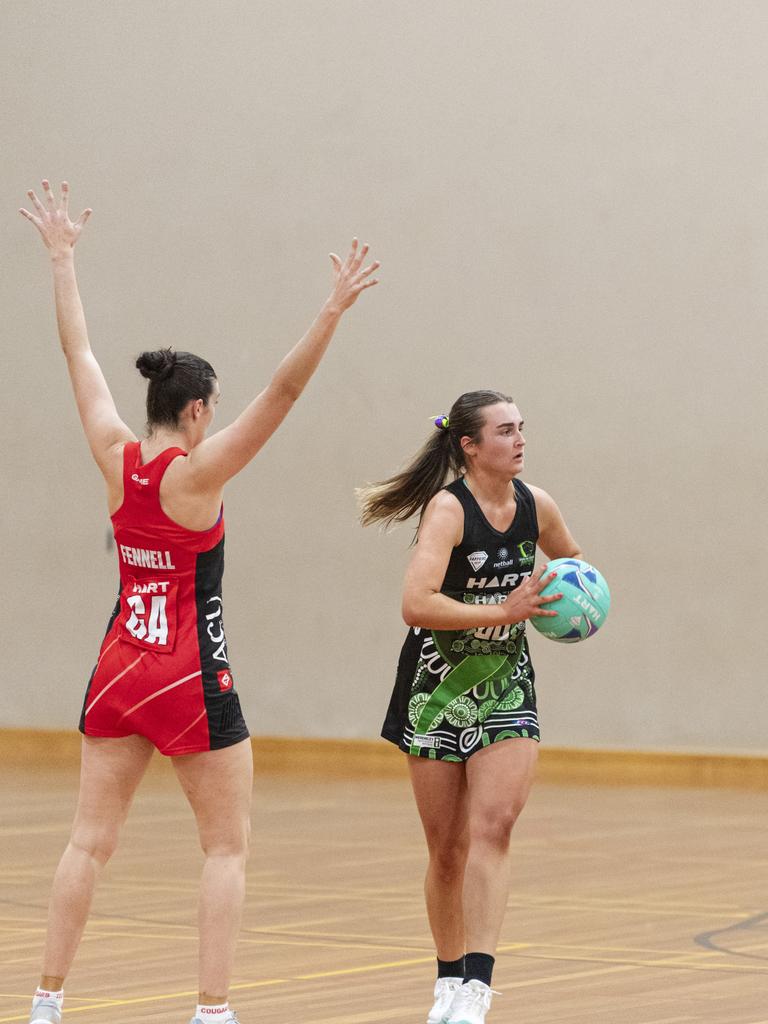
583, 607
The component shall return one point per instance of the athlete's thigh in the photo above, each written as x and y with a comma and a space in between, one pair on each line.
110, 770
440, 790
218, 785
499, 778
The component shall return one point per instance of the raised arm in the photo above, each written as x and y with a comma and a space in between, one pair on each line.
221, 456
423, 605
102, 425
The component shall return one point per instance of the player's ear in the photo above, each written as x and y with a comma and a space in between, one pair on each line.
468, 446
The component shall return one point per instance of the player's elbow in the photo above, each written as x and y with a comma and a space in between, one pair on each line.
410, 612
415, 609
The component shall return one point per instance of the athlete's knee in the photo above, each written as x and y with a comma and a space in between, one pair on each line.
96, 842
448, 865
232, 841
448, 858
494, 828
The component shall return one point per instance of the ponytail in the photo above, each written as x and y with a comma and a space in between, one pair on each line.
409, 491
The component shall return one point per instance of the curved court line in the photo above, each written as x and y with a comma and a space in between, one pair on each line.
706, 939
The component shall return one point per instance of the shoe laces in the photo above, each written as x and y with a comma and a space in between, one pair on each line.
476, 996
448, 985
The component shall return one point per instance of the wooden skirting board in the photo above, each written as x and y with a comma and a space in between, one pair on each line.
354, 757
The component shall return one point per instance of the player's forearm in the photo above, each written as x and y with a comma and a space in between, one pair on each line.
70, 317
294, 372
438, 611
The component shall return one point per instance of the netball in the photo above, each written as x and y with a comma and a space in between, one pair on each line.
584, 606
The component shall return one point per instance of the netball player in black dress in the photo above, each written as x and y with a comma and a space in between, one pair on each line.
464, 704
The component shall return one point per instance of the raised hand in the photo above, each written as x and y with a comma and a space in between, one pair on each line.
51, 219
350, 279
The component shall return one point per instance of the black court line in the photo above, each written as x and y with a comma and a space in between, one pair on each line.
707, 939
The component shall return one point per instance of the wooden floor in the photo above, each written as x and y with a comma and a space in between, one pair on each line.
638, 905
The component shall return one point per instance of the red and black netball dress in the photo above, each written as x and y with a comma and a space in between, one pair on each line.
163, 670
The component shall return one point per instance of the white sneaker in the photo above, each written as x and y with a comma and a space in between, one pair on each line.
445, 990
470, 1004
46, 1012
228, 1019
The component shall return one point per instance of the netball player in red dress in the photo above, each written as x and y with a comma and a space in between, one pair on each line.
162, 679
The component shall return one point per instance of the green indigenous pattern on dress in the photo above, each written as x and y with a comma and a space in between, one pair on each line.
458, 691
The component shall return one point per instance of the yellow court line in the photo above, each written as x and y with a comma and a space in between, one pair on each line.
265, 940
110, 1004
301, 893
70, 999
571, 976
702, 951
624, 901
633, 910
674, 963
238, 987
612, 967
294, 898
677, 953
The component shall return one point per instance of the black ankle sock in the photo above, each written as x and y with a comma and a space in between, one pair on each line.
450, 968
479, 966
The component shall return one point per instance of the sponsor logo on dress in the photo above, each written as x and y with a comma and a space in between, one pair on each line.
477, 558
143, 480
426, 741
527, 549
504, 561
506, 581
225, 680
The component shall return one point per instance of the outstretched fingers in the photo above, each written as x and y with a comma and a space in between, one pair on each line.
352, 252
51, 217
83, 218
35, 220
366, 284
351, 277
357, 262
369, 269
49, 194
36, 202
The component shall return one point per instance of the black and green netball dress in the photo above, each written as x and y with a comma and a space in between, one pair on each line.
460, 690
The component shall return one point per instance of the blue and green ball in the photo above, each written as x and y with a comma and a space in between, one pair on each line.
584, 606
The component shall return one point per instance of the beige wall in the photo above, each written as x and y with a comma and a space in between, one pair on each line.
569, 199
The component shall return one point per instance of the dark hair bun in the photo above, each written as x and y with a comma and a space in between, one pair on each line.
156, 365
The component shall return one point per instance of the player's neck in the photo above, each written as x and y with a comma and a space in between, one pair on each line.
490, 488
162, 438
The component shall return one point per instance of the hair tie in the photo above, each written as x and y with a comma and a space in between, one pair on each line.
442, 422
